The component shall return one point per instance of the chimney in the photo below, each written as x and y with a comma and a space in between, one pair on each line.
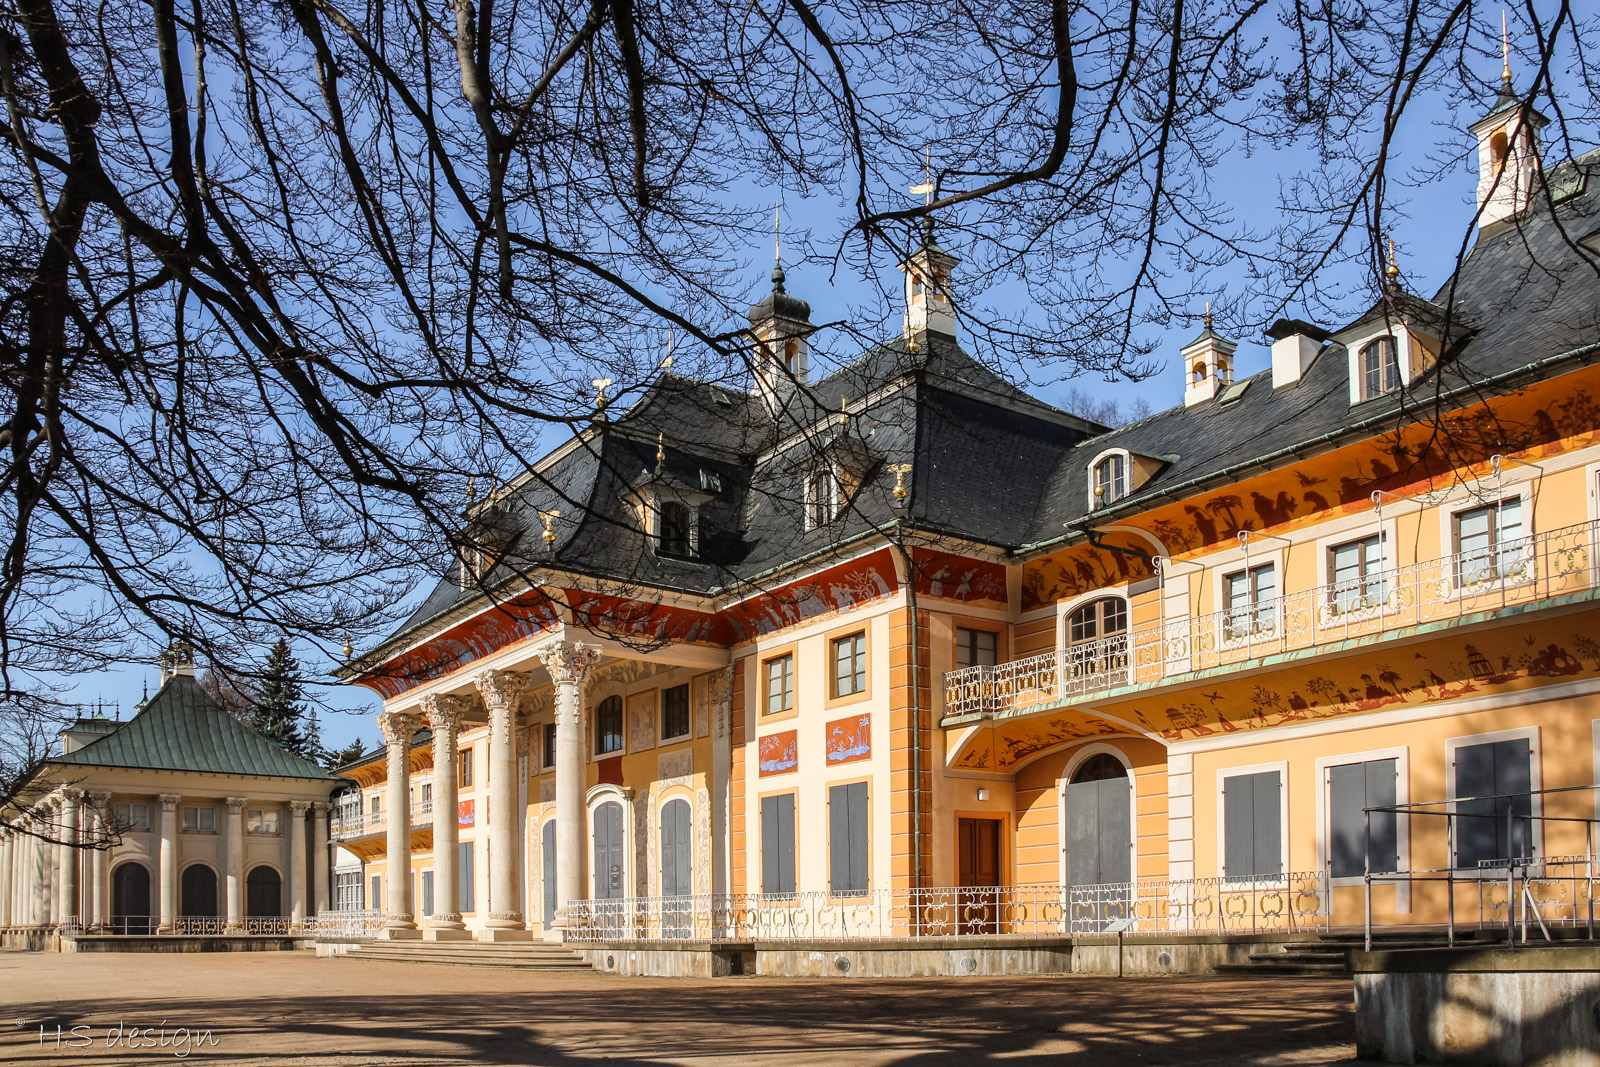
1295, 343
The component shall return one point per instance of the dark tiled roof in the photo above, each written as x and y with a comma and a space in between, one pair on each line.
183, 729
990, 462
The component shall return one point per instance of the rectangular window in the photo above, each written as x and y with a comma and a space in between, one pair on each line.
427, 795
377, 897
466, 878
608, 726
780, 684
464, 779
1494, 805
675, 712
976, 648
132, 816
1355, 573
777, 845
847, 839
1489, 544
197, 820
261, 821
375, 807
822, 498
549, 745
850, 665
1352, 788
427, 892
1252, 601
1252, 825
347, 891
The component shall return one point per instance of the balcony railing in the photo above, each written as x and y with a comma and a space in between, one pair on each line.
348, 826
1153, 908
1512, 573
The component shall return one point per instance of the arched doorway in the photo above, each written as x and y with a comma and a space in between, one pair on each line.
1099, 833
608, 851
263, 893
198, 892
130, 899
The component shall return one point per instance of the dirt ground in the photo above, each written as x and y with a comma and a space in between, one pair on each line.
291, 1008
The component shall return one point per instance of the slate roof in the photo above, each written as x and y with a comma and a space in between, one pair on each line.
183, 729
992, 464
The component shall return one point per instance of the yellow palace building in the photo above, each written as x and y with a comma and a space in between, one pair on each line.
903, 652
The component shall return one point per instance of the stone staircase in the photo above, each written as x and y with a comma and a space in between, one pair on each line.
539, 956
1322, 955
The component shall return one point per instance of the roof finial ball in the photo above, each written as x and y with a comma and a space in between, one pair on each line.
1392, 272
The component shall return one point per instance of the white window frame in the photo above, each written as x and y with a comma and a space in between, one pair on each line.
131, 825
1535, 783
1402, 831
1068, 607
277, 821
198, 827
1404, 357
1223, 774
828, 476
1128, 487
667, 796
1485, 494
1219, 584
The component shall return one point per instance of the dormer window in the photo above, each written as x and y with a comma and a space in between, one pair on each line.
1380, 368
822, 498
675, 526
1110, 480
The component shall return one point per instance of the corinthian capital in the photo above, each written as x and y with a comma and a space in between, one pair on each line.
569, 663
398, 727
443, 713
501, 689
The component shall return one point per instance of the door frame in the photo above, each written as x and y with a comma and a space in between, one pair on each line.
1076, 760
659, 859
596, 796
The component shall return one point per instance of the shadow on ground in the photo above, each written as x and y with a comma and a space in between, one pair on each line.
423, 1016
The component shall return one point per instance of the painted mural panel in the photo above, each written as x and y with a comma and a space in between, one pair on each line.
778, 753
841, 588
519, 620
971, 581
1083, 569
464, 813
848, 740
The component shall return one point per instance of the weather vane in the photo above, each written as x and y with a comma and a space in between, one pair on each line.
600, 385
925, 190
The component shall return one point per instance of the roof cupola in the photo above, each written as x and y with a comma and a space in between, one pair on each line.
927, 272
1207, 365
1508, 152
779, 327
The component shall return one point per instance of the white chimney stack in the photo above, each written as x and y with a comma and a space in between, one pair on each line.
1294, 345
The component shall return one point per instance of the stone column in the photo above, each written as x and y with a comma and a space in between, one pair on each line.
100, 860
169, 861
398, 730
234, 873
502, 692
49, 862
5, 878
319, 856
721, 700
570, 667
444, 719
297, 860
67, 856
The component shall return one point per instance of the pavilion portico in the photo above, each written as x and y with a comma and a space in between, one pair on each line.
492, 696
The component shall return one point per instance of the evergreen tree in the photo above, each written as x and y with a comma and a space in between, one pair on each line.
280, 713
348, 754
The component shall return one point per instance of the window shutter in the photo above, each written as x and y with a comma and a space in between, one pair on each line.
1237, 831
786, 882
1382, 782
1268, 847
427, 892
769, 844
1478, 836
838, 839
548, 840
464, 872
858, 836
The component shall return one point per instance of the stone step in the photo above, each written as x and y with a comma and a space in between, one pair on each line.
1266, 970
532, 956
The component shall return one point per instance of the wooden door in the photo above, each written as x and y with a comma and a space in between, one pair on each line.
608, 851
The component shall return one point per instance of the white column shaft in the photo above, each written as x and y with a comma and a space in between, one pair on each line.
67, 861
398, 730
297, 860
169, 862
234, 873
319, 858
444, 719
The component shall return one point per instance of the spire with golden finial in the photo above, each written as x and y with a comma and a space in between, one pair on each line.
844, 410
1392, 272
1505, 53
1208, 314
661, 451
472, 489
348, 650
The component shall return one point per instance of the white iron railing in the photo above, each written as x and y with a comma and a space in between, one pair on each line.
330, 924
367, 824
1134, 909
1513, 573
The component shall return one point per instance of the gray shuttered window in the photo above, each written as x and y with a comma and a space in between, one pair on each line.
777, 845
1352, 788
847, 839
1493, 829
377, 897
427, 892
548, 847
465, 876
1252, 825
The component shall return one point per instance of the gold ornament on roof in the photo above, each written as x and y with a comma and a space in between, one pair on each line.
348, 650
600, 386
549, 519
900, 471
1392, 272
661, 452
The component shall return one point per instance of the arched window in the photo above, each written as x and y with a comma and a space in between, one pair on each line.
674, 539
1105, 617
1499, 147
1097, 640
1199, 373
1099, 768
791, 352
821, 498
608, 726
1380, 368
1110, 480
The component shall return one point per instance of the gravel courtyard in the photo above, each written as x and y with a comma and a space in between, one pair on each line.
291, 1008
